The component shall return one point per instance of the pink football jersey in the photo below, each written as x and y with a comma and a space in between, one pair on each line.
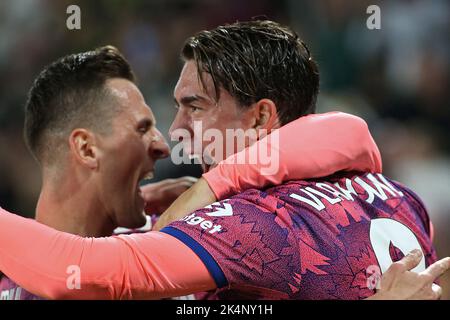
327, 238
11, 291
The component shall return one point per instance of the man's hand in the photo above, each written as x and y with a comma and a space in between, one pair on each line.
399, 283
196, 197
160, 195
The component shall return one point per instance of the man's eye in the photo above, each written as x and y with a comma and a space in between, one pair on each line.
194, 108
143, 129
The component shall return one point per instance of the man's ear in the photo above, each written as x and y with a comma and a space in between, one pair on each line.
83, 147
266, 117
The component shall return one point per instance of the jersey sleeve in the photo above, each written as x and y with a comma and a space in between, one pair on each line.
58, 265
313, 146
242, 243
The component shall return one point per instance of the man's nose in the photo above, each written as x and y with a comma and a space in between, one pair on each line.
179, 126
159, 149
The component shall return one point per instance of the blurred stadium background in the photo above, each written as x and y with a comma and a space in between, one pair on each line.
397, 78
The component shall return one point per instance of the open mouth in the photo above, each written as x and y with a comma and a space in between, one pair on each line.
148, 176
144, 179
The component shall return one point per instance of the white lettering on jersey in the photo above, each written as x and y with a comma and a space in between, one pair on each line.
202, 222
348, 190
324, 196
223, 209
382, 178
4, 295
379, 189
11, 294
314, 201
18, 293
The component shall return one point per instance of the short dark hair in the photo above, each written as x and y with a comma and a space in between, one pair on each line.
255, 60
70, 93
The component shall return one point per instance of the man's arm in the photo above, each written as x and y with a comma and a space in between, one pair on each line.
310, 147
198, 196
141, 266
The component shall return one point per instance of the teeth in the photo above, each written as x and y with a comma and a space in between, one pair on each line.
149, 176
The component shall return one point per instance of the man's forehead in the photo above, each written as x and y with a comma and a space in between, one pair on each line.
123, 89
189, 83
129, 97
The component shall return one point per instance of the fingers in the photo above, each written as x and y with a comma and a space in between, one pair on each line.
167, 184
435, 270
410, 261
160, 195
178, 185
189, 179
399, 282
437, 290
430, 292
184, 181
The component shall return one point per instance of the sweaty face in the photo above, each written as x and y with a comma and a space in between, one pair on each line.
128, 154
198, 113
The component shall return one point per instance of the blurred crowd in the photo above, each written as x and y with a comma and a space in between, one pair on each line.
397, 78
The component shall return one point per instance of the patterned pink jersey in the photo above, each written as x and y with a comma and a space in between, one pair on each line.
9, 290
318, 239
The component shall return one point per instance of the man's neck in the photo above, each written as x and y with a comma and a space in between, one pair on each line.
73, 209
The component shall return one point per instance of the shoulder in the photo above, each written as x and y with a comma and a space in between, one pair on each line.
227, 217
146, 228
